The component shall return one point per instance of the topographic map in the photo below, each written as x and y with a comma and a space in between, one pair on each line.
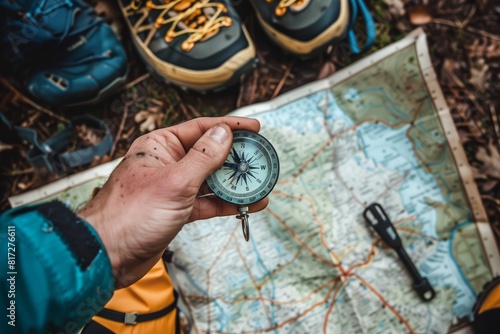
377, 131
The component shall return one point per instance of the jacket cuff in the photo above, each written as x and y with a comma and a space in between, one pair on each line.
74, 259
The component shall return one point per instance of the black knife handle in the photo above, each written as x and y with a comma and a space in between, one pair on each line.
378, 219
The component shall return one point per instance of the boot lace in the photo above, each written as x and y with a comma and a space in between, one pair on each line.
284, 5
200, 19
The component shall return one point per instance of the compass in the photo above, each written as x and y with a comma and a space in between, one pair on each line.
248, 175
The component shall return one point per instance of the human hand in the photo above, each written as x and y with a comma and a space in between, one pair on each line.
153, 192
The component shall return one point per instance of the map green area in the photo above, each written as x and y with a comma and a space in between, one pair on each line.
377, 131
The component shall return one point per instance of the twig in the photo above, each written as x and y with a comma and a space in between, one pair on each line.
469, 17
24, 186
31, 119
13, 186
470, 29
494, 119
183, 107
267, 85
241, 92
23, 172
137, 80
193, 110
455, 79
283, 79
494, 200
32, 103
44, 133
483, 33
452, 11
120, 129
128, 133
253, 87
270, 84
471, 97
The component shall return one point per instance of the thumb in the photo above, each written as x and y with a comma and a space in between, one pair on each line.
207, 154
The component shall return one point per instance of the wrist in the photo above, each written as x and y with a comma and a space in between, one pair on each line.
94, 218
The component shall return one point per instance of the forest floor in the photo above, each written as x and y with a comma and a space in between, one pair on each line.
464, 44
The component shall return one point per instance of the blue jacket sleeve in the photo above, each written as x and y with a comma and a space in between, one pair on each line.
55, 273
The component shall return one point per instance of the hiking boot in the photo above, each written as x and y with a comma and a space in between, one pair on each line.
196, 44
303, 27
58, 51
486, 311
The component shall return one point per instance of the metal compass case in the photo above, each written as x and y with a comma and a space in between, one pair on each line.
248, 175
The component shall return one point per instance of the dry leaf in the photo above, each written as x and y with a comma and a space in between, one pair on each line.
449, 67
468, 131
479, 75
488, 185
106, 10
478, 175
484, 47
326, 70
403, 26
396, 7
464, 136
420, 14
493, 50
147, 121
463, 110
490, 161
150, 119
475, 131
110, 13
87, 135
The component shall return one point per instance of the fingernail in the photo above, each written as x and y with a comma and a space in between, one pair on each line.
219, 134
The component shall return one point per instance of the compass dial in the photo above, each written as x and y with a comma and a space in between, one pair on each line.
250, 171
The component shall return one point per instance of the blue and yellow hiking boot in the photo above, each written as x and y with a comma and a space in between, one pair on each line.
58, 51
195, 44
303, 27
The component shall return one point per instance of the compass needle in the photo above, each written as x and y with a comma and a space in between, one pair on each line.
252, 158
233, 175
230, 165
251, 175
245, 178
235, 156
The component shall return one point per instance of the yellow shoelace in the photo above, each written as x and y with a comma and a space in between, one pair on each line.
285, 4
200, 19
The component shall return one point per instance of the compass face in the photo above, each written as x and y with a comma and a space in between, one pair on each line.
250, 171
